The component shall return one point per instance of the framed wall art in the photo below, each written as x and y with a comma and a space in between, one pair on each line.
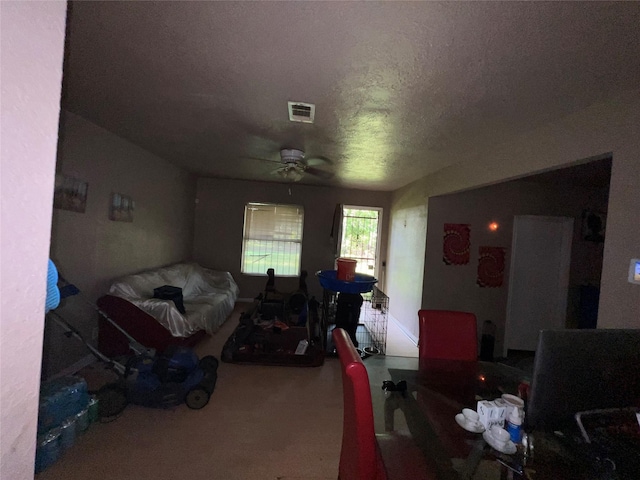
70, 194
121, 208
456, 244
491, 267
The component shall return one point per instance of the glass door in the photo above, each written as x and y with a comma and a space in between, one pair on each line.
359, 238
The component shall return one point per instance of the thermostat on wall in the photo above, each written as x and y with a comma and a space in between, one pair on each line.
634, 271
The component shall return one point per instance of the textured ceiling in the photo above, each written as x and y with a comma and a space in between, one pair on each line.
402, 89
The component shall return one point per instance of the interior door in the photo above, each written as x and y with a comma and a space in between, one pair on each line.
538, 280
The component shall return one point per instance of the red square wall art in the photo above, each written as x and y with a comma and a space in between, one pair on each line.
491, 267
456, 244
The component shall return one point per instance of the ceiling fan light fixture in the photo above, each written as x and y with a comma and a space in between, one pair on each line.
290, 174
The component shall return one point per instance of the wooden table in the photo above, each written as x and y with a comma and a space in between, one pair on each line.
436, 392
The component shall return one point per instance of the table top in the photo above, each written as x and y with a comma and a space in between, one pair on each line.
436, 392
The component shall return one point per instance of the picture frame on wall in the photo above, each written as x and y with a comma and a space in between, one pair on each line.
593, 226
121, 208
456, 244
70, 193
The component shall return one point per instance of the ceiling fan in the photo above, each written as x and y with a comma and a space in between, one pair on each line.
294, 166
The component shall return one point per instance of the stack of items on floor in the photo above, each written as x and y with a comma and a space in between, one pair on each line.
280, 329
66, 410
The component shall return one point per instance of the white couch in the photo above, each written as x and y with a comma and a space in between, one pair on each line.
208, 295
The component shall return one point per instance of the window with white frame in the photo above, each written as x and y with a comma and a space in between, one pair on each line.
272, 238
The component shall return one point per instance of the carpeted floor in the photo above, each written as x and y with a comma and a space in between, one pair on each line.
261, 423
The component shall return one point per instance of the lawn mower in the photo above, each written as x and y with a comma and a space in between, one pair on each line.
147, 378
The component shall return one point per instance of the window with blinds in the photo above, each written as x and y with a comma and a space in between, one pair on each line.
272, 238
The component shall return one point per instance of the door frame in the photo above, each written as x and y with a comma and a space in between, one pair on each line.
380, 211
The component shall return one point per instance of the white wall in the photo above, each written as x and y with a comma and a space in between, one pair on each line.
89, 249
32, 50
608, 127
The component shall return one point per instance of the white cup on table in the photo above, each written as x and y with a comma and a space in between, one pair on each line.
500, 436
471, 417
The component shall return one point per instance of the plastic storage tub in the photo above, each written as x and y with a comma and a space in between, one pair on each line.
361, 283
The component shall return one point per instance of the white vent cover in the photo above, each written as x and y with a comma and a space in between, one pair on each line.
301, 112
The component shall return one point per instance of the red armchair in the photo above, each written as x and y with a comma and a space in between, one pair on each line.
447, 335
365, 455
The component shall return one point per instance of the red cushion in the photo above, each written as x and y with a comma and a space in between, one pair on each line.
448, 335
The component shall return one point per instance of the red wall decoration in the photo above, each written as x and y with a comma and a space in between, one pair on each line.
491, 266
456, 244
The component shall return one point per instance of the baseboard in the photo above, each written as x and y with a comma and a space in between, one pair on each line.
403, 329
74, 368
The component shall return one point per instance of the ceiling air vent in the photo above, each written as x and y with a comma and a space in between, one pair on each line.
301, 112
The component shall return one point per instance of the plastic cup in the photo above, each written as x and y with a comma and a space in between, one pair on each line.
500, 435
471, 416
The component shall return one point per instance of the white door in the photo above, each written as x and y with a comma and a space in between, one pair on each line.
538, 280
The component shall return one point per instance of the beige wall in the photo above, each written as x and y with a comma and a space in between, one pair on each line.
609, 127
32, 49
220, 216
89, 249
453, 287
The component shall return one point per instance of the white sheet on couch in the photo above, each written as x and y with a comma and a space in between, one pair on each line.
209, 296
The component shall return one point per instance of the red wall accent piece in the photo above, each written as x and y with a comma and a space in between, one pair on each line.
491, 266
456, 244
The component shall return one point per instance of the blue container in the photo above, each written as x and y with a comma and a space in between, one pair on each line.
68, 434
361, 284
59, 400
82, 420
93, 409
47, 450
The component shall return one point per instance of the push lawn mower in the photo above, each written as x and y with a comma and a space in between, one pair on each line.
149, 379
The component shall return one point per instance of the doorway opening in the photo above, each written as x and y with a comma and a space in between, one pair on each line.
359, 237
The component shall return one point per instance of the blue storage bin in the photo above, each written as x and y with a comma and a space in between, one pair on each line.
361, 284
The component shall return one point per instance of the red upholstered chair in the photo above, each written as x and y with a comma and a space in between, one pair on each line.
447, 335
365, 455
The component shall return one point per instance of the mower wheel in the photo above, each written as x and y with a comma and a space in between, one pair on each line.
197, 398
209, 363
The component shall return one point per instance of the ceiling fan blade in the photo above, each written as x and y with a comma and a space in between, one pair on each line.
324, 174
263, 160
317, 161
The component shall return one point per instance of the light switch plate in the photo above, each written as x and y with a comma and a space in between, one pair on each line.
634, 271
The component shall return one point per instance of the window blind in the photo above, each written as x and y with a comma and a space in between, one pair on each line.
272, 238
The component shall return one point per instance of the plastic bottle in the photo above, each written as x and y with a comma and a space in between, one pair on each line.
514, 425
